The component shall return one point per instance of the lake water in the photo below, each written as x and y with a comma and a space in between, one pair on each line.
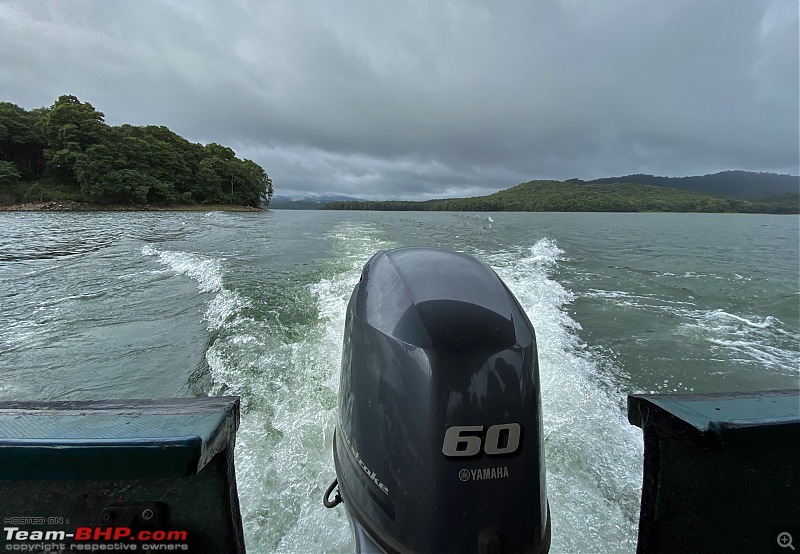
147, 305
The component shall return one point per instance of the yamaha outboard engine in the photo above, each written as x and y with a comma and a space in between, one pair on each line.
438, 445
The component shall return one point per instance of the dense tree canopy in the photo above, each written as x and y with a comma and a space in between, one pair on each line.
557, 196
67, 151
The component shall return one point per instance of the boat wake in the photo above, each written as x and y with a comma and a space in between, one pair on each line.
280, 349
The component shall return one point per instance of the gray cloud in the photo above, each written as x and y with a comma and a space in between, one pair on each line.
427, 99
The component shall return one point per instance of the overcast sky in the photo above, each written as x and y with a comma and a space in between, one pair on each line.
421, 98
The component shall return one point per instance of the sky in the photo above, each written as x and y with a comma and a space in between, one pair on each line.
420, 99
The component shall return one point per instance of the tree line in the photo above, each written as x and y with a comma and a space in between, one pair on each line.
67, 152
558, 196
740, 184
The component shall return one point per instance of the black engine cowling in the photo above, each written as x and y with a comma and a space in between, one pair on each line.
438, 446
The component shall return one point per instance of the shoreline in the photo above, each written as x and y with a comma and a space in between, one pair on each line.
71, 206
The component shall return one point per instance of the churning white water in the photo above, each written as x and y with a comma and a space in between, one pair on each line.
288, 380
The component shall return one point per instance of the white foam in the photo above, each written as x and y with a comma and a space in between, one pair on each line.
722, 316
288, 375
222, 308
207, 272
785, 361
594, 456
203, 269
741, 338
746, 339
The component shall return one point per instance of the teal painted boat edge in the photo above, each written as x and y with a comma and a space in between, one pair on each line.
114, 439
721, 471
708, 418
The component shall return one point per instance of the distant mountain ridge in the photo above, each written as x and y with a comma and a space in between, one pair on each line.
307, 202
739, 184
750, 193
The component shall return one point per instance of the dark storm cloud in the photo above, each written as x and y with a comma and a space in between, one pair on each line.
428, 99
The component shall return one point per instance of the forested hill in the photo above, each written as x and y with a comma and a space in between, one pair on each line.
557, 196
740, 184
67, 152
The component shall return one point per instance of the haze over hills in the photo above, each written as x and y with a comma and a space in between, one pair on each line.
745, 192
307, 202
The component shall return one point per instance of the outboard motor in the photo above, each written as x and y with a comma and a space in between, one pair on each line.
438, 444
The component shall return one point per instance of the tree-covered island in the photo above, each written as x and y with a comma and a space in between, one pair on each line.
67, 153
604, 196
